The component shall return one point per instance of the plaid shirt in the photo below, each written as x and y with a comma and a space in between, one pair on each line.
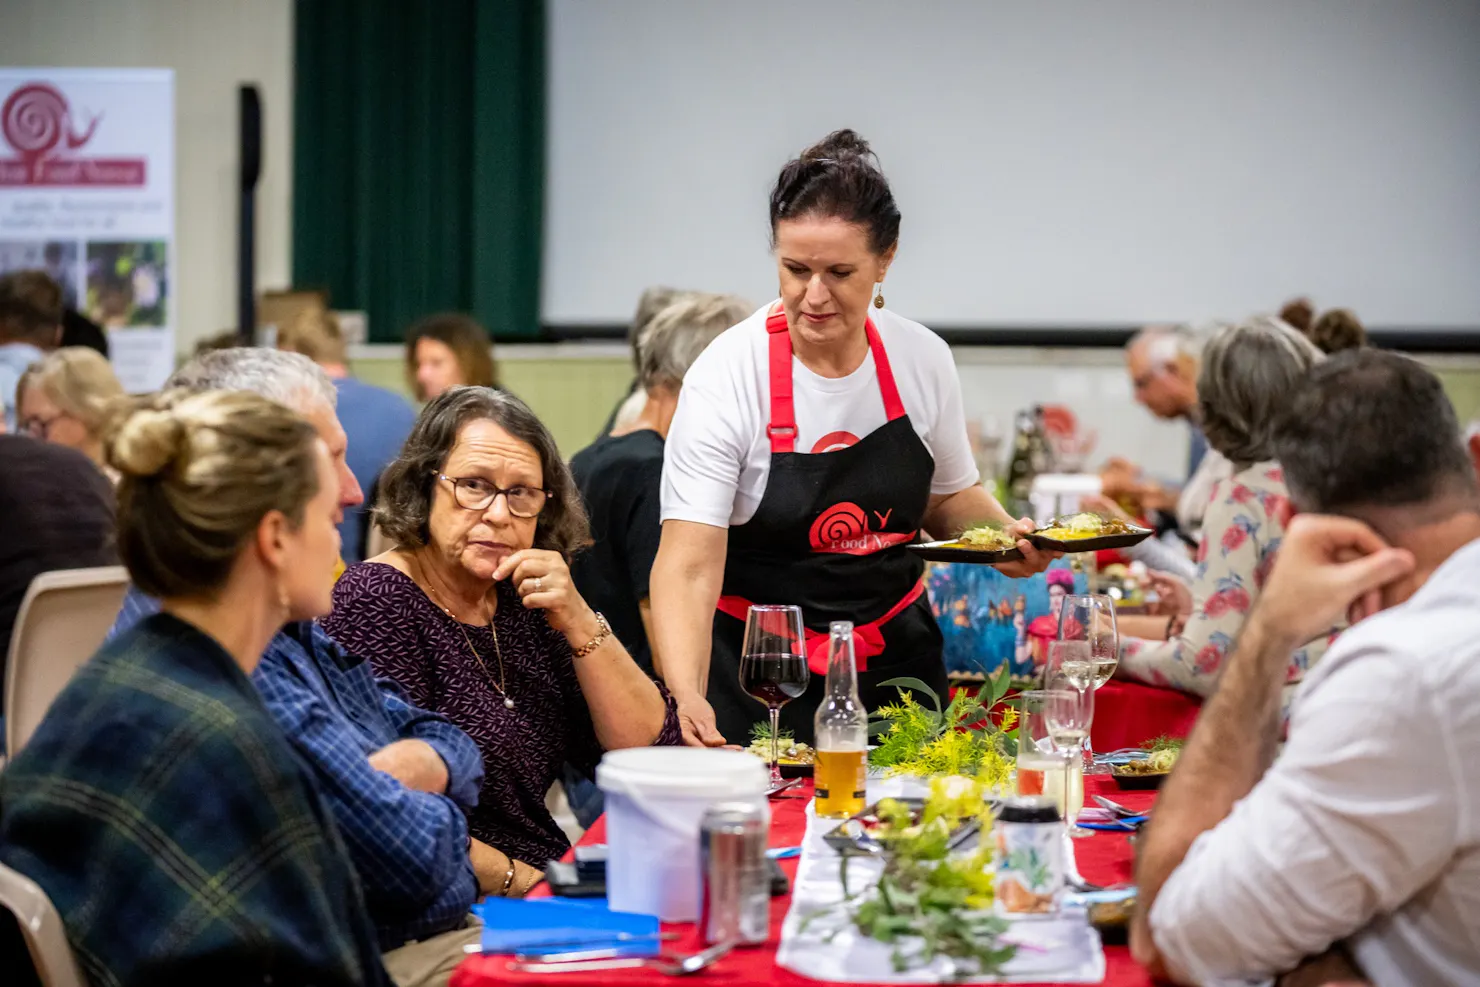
410, 847
176, 832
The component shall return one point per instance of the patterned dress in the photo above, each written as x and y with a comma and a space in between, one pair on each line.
1242, 529
381, 614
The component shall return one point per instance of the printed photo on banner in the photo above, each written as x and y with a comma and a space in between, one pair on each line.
57, 258
127, 283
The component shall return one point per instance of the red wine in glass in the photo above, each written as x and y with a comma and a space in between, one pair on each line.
773, 665
774, 679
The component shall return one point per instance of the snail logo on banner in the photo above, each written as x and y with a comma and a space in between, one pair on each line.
41, 129
87, 174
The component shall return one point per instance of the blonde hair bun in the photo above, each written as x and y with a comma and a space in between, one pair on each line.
146, 441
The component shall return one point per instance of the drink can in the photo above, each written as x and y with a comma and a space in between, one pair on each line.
1028, 833
735, 892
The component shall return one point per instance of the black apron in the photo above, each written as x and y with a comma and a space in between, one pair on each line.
829, 535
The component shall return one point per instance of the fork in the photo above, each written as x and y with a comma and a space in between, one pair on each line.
1115, 807
673, 966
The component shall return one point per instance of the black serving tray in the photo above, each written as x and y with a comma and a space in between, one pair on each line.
952, 551
1103, 543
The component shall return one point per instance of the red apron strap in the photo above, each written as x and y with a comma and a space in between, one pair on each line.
893, 406
868, 639
782, 430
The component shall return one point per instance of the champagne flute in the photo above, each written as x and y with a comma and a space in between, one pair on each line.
1091, 619
1069, 712
773, 665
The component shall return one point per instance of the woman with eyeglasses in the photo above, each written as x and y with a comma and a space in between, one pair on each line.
474, 614
66, 398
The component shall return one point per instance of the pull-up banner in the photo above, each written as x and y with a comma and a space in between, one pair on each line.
87, 194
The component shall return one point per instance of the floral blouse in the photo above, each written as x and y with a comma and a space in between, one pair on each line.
1242, 529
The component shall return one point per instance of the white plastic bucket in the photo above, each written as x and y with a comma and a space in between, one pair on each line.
655, 797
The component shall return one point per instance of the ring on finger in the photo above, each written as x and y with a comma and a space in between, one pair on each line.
539, 583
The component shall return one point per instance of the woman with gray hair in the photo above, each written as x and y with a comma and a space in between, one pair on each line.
475, 615
621, 474
1249, 373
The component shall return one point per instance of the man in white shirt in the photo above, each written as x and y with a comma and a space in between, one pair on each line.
1357, 852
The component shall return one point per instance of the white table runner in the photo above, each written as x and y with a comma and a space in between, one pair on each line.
1063, 949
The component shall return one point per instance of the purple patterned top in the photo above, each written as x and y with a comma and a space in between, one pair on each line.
382, 615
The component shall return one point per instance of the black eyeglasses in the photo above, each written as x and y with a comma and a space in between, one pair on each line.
37, 427
473, 493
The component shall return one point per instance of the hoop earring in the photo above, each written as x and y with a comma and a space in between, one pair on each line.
879, 298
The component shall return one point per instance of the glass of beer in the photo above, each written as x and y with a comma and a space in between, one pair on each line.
1036, 757
840, 727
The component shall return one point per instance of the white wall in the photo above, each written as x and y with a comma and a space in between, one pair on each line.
213, 46
1055, 161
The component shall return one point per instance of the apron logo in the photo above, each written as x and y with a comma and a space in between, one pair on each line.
843, 529
834, 441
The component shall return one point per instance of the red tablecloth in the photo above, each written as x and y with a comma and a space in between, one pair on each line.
1127, 714
1104, 858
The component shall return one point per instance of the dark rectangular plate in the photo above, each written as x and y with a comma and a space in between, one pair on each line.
1139, 783
1101, 544
947, 551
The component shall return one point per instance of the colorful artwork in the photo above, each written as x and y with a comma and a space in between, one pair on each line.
988, 618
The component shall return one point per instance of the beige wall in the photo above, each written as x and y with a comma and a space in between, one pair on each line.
573, 388
213, 46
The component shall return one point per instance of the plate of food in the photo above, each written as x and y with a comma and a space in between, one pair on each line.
984, 544
1148, 772
870, 832
1087, 532
796, 760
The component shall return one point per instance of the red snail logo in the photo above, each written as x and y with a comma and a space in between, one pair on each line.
37, 122
844, 529
833, 441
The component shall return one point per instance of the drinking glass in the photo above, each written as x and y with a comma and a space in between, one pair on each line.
773, 665
1091, 620
1068, 712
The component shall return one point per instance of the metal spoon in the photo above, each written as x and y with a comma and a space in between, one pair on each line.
673, 966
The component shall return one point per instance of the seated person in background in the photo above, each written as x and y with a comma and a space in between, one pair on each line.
448, 350
56, 512
66, 398
79, 330
30, 326
1363, 836
620, 476
1249, 374
653, 301
1298, 314
474, 614
375, 420
396, 778
1163, 364
158, 804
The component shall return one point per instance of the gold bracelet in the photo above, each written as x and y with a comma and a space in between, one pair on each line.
508, 880
598, 640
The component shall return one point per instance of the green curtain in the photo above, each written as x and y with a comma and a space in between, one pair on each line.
418, 159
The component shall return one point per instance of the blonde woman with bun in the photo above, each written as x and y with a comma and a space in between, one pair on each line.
158, 805
66, 397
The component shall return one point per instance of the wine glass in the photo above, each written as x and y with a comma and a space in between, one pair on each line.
1091, 619
773, 665
1069, 711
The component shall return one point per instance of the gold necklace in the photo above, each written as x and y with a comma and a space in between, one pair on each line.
498, 652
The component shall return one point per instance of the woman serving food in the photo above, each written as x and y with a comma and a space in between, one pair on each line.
812, 442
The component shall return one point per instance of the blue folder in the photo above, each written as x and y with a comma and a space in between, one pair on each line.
513, 925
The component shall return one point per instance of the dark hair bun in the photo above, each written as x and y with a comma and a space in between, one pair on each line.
836, 146
839, 176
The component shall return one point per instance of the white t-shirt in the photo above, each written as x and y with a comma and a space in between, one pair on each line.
718, 457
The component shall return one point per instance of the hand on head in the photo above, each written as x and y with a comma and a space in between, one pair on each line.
1327, 566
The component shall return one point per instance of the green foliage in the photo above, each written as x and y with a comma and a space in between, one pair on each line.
960, 739
1163, 743
927, 903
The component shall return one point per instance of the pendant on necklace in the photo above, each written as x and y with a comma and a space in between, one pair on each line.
508, 703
